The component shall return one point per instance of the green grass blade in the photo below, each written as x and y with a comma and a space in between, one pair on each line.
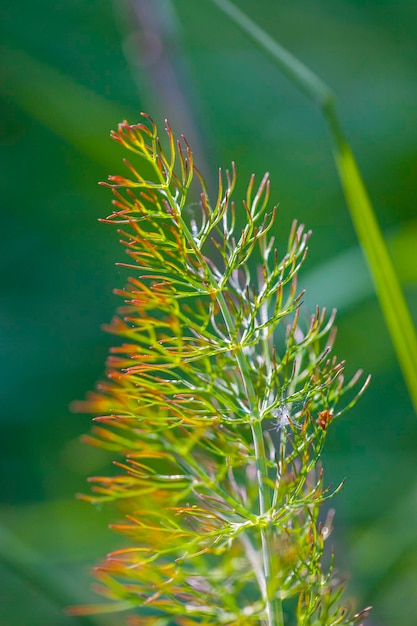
391, 298
40, 574
297, 72
342, 280
71, 111
390, 295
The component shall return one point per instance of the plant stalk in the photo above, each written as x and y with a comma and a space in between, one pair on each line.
273, 603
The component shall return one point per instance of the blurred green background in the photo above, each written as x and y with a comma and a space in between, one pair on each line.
69, 72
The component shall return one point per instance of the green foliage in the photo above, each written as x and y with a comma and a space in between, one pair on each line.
218, 404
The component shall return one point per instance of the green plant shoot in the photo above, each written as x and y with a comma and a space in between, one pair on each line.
217, 403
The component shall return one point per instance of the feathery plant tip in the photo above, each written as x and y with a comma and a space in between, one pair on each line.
218, 404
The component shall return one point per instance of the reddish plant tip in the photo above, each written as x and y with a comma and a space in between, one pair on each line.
324, 418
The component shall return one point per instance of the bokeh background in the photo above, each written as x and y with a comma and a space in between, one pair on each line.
69, 72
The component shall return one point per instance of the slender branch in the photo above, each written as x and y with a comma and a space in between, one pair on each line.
273, 601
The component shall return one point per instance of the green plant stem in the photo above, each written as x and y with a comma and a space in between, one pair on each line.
272, 600
391, 298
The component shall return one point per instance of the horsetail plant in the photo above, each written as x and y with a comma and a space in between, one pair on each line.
218, 404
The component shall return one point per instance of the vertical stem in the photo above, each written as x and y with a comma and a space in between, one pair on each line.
272, 600
273, 603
